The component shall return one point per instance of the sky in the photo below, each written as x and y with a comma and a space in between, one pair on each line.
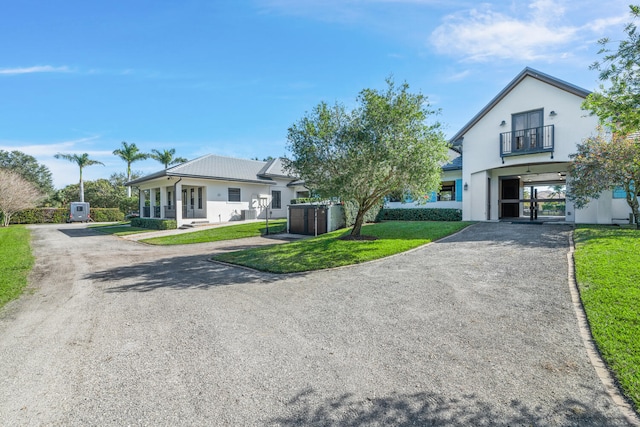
230, 77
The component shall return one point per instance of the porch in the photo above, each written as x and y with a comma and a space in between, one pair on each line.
164, 202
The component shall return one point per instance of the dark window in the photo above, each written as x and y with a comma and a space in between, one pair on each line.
169, 199
199, 197
192, 200
527, 129
276, 200
447, 192
234, 194
79, 208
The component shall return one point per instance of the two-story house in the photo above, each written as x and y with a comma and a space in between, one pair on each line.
521, 142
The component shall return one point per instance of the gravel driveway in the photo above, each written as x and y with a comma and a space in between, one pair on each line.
476, 329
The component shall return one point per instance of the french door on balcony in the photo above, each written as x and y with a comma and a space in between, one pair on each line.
527, 130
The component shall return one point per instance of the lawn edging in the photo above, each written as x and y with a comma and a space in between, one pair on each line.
606, 376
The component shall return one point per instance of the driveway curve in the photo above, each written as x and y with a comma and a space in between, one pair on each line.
475, 329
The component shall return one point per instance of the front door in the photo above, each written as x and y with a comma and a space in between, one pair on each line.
510, 197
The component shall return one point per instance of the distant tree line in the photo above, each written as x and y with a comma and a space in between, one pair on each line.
25, 183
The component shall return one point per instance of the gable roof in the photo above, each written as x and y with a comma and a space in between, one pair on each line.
274, 168
456, 140
222, 168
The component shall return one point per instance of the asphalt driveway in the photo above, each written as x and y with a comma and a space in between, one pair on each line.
476, 329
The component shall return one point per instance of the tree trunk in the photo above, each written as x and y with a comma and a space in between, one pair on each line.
357, 226
81, 190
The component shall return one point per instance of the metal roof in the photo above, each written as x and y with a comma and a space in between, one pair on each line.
274, 168
455, 164
222, 168
456, 140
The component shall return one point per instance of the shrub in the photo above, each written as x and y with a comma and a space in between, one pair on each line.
351, 210
154, 224
61, 215
40, 216
420, 214
106, 214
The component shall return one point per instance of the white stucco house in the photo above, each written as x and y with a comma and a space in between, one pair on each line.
521, 140
216, 189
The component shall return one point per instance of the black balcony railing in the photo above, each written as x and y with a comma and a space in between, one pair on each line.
527, 141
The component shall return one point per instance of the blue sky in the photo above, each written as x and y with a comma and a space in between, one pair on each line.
229, 77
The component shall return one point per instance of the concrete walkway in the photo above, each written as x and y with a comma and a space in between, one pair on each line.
476, 329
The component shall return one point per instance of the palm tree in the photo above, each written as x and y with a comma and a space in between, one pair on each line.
130, 153
166, 157
82, 161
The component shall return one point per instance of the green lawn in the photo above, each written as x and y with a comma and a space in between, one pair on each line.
229, 232
119, 229
17, 260
328, 251
608, 275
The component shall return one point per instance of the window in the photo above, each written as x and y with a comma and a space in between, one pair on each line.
191, 199
169, 198
79, 208
234, 194
199, 197
525, 128
447, 192
276, 200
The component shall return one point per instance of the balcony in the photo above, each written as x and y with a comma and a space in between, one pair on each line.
527, 141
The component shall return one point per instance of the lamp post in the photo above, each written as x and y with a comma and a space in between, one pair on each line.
264, 203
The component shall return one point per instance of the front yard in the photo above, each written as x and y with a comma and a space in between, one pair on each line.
329, 251
608, 275
17, 260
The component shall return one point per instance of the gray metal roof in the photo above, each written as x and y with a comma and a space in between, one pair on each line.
221, 168
274, 168
456, 140
455, 164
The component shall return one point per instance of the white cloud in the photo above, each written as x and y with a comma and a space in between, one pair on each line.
546, 30
63, 171
484, 34
35, 69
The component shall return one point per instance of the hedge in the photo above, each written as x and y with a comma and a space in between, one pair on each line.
106, 214
61, 215
154, 224
420, 214
40, 216
351, 210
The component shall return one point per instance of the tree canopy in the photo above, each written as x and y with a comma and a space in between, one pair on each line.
29, 168
383, 145
130, 153
617, 105
604, 162
166, 157
82, 161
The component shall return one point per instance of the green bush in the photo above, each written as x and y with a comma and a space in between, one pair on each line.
61, 215
302, 200
154, 224
106, 214
420, 214
351, 210
41, 216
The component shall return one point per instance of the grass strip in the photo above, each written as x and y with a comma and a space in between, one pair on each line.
17, 261
608, 273
215, 234
327, 250
121, 230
